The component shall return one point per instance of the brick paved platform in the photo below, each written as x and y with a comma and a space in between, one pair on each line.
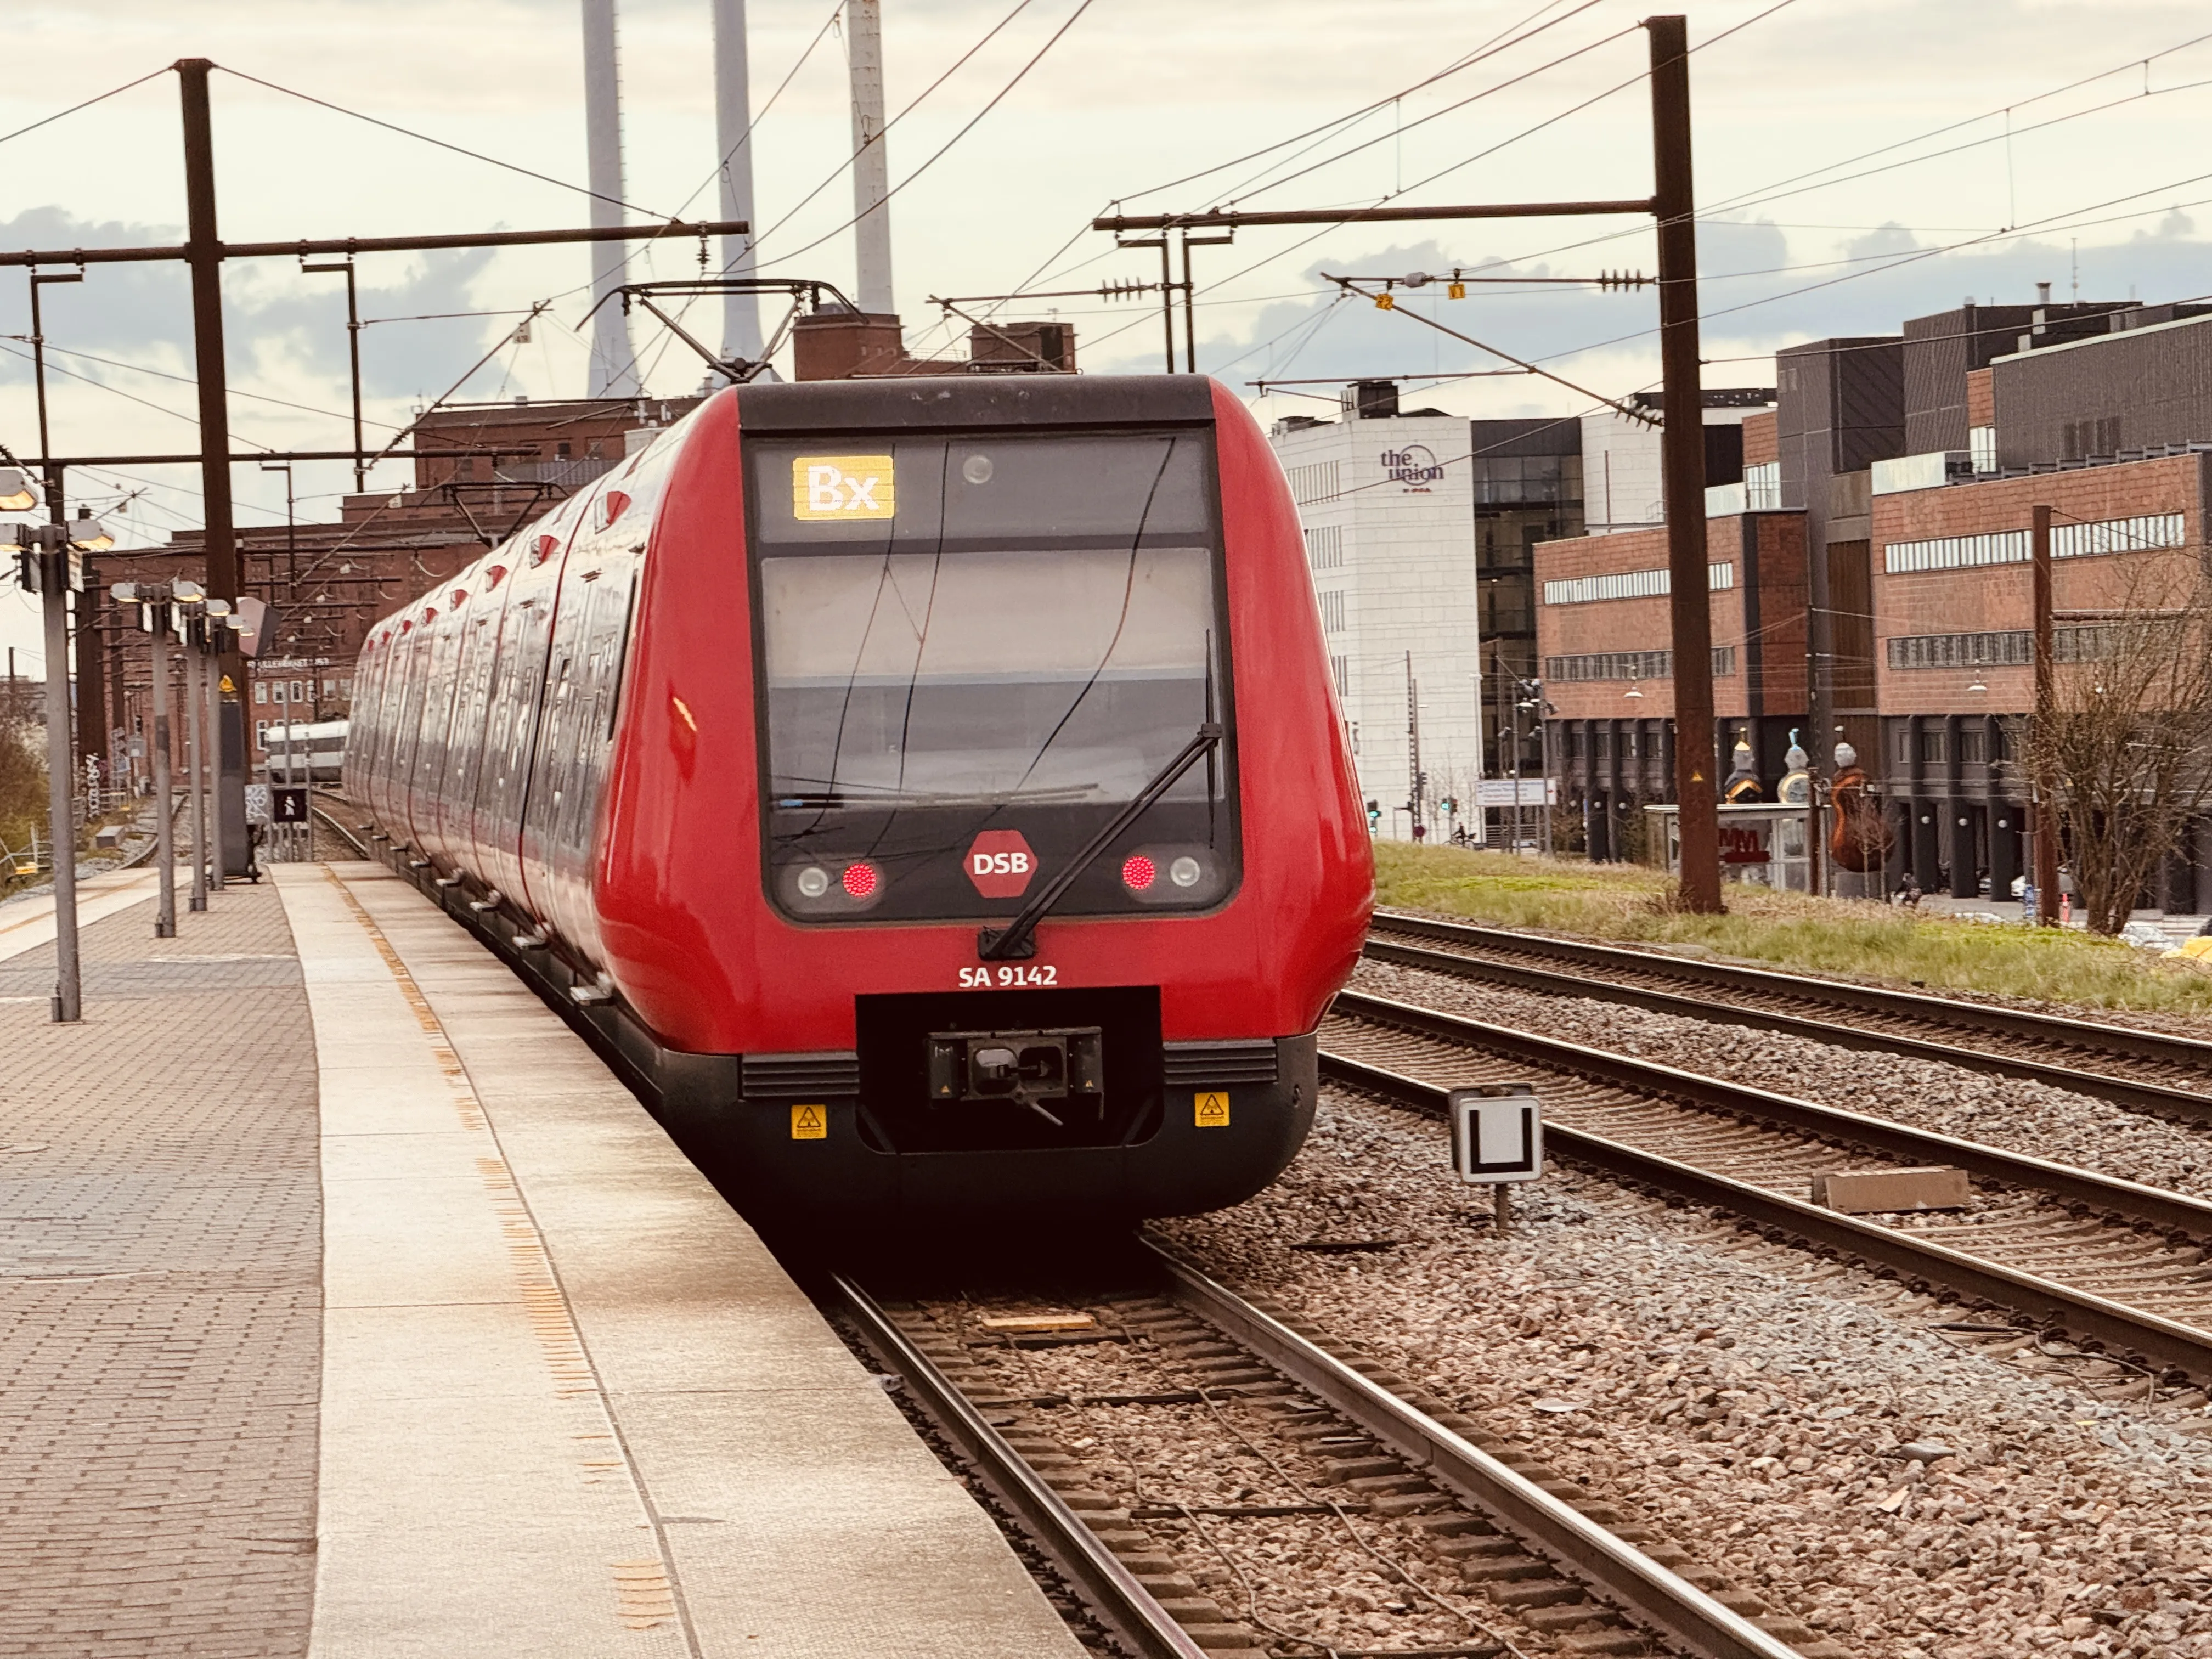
160, 1308
348, 1309
571, 1407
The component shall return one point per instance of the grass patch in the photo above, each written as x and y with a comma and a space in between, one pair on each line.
1854, 938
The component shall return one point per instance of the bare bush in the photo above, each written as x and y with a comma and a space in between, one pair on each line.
2122, 752
22, 784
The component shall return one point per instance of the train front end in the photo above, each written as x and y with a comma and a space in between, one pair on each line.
982, 838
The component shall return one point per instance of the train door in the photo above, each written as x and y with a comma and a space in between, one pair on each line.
439, 652
490, 661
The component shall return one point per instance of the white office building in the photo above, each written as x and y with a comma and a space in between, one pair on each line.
1387, 505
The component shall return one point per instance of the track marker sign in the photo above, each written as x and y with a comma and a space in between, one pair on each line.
1497, 1133
830, 487
809, 1123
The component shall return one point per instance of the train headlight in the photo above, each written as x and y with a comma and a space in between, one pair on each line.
1183, 876
835, 887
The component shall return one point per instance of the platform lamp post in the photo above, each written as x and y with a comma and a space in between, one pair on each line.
157, 603
215, 619
52, 566
191, 633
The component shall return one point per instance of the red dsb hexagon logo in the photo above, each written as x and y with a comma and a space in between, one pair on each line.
1000, 864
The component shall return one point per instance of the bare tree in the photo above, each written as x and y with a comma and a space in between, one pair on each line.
2125, 751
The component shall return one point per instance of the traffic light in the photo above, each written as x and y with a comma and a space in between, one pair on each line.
1374, 813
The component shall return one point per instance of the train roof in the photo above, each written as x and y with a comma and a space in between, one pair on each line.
974, 400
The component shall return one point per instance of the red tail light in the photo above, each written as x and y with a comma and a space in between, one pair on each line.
1138, 873
860, 880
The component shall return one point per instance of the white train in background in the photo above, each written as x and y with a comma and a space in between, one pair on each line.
305, 754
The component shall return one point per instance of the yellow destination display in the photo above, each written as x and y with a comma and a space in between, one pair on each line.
825, 487
1211, 1111
809, 1123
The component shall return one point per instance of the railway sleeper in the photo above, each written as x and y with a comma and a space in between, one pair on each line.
1491, 1564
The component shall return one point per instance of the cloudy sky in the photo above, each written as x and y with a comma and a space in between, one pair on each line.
1860, 161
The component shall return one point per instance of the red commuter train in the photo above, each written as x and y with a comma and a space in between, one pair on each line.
931, 793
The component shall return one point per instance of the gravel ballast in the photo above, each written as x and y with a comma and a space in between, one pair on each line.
1798, 1426
2017, 1115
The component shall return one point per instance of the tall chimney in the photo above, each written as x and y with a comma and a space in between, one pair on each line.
864, 41
614, 371
741, 329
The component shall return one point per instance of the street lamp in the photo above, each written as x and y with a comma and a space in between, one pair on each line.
51, 563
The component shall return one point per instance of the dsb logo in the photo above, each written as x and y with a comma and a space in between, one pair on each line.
1000, 863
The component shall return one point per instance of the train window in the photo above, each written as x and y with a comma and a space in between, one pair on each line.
1029, 489
1032, 635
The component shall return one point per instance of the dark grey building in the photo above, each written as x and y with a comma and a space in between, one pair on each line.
1527, 489
2144, 382
1942, 350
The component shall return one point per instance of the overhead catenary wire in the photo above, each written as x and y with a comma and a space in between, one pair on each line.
445, 144
48, 120
1489, 49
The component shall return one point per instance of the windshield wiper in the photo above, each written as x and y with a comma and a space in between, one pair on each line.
1016, 940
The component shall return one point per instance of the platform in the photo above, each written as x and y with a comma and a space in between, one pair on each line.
349, 1307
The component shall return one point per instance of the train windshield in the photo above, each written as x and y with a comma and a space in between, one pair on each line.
1014, 633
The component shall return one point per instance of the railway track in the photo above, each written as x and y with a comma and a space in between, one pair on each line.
2144, 1071
1477, 1536
2112, 1262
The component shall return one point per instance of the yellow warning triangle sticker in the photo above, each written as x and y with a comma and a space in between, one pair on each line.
1211, 1111
227, 686
809, 1123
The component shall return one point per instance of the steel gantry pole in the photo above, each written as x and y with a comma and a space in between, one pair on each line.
61, 805
164, 853
1683, 456
204, 255
211, 672
2045, 781
195, 751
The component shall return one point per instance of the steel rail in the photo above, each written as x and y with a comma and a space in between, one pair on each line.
342, 832
1620, 1572
2019, 1025
1112, 1589
2175, 1214
2195, 1106
2157, 1341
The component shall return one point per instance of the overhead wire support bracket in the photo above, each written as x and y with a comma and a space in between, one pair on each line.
737, 370
1238, 219
1382, 298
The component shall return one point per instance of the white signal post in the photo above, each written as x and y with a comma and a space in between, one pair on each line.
1497, 1136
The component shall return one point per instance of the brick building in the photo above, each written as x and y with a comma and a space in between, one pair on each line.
329, 581
1915, 620
1608, 673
